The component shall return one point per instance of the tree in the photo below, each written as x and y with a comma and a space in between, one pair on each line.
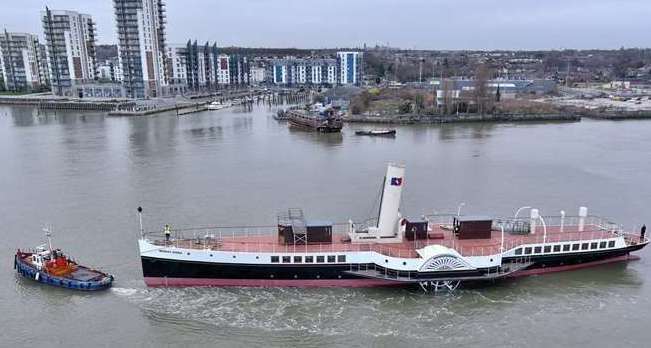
482, 75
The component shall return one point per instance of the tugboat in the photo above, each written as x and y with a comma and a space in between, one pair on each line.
321, 119
437, 252
52, 267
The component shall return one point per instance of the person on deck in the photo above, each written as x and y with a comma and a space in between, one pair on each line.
168, 232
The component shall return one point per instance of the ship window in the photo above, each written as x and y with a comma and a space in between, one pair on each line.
341, 258
584, 246
275, 259
320, 259
611, 244
518, 251
527, 250
548, 249
602, 245
309, 259
593, 245
566, 247
537, 250
557, 248
331, 258
575, 247
298, 259
287, 259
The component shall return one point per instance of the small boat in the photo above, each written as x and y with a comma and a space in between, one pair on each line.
217, 105
281, 115
52, 267
377, 132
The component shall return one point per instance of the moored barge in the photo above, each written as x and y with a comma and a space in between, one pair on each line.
320, 119
435, 252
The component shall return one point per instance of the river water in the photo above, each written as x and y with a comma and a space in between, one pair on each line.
86, 173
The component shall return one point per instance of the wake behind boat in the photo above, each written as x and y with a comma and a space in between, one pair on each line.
52, 267
435, 252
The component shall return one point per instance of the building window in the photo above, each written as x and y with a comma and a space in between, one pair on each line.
518, 251
309, 259
575, 247
537, 250
341, 258
298, 259
548, 248
566, 247
331, 258
287, 259
584, 246
527, 250
320, 259
557, 248
611, 244
275, 259
593, 245
602, 245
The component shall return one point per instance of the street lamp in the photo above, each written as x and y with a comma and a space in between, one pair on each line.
459, 209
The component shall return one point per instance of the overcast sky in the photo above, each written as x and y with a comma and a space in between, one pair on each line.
421, 24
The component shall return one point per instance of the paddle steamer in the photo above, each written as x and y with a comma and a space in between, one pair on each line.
438, 251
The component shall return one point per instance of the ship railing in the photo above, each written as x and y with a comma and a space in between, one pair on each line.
265, 238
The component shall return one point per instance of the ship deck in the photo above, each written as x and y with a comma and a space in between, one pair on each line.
245, 240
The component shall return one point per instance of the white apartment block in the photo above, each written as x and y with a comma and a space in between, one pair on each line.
22, 62
223, 70
70, 42
141, 46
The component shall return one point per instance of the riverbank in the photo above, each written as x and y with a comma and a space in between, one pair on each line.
462, 118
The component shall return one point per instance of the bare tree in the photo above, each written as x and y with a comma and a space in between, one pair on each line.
482, 74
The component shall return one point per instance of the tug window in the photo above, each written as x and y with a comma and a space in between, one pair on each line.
611, 244
548, 248
566, 247
602, 245
320, 259
584, 246
298, 259
593, 245
309, 259
537, 250
331, 258
341, 258
287, 259
557, 248
518, 251
575, 247
527, 250
275, 259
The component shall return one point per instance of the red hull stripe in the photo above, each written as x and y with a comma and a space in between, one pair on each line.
298, 283
528, 272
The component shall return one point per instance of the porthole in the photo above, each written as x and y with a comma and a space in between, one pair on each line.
234, 256
386, 261
188, 253
210, 255
271, 276
257, 257
339, 276
295, 276
491, 260
318, 276
405, 263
